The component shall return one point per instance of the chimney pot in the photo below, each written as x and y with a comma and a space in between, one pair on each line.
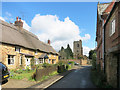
48, 41
19, 19
16, 18
19, 23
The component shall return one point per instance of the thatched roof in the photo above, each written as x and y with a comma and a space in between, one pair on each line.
10, 34
44, 55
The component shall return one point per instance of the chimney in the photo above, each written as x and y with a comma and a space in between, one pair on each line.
16, 18
19, 23
48, 41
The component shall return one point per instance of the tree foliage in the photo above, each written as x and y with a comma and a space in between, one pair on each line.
91, 52
66, 53
94, 61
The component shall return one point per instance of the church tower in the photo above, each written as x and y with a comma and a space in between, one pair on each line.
77, 49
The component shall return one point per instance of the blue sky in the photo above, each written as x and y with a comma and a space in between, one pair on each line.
82, 14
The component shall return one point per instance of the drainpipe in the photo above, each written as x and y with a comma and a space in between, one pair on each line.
103, 44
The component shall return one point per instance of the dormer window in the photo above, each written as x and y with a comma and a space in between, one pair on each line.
17, 49
35, 52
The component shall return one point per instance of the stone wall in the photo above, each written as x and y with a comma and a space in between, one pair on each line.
111, 69
82, 62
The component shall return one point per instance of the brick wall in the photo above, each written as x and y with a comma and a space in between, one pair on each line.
110, 43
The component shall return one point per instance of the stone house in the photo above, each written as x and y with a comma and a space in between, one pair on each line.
77, 49
18, 46
108, 41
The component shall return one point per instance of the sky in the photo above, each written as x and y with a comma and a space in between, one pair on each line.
61, 22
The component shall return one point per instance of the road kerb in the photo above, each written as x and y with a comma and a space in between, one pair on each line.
53, 82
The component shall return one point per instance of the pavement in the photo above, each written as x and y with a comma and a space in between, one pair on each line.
12, 83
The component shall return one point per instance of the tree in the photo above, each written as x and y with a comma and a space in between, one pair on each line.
91, 52
66, 53
69, 52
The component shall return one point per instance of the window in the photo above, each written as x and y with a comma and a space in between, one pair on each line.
77, 45
10, 59
112, 27
49, 55
77, 50
35, 52
17, 49
41, 61
20, 60
53, 61
49, 60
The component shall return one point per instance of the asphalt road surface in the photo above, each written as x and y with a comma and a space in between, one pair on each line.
79, 78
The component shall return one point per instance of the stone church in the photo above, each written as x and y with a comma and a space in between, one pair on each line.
77, 49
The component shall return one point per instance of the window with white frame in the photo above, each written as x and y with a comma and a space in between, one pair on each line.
17, 49
41, 61
10, 59
35, 52
49, 60
112, 27
49, 55
20, 60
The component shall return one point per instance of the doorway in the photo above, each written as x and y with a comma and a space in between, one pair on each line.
28, 62
118, 71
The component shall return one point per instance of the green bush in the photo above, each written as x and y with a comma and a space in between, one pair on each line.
39, 66
19, 71
60, 63
61, 69
94, 61
71, 62
27, 69
46, 65
68, 67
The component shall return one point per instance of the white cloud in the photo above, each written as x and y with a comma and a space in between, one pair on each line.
26, 26
8, 14
87, 37
2, 18
86, 50
59, 32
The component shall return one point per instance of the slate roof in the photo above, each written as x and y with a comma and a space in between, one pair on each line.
24, 38
102, 7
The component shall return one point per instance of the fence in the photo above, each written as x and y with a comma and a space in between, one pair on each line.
44, 72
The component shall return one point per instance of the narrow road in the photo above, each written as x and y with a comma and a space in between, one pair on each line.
79, 78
